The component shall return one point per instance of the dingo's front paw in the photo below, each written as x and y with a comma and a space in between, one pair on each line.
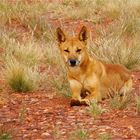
75, 102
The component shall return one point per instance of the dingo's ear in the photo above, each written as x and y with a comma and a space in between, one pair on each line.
83, 35
60, 35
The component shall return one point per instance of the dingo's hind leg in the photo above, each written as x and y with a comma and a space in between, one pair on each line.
127, 87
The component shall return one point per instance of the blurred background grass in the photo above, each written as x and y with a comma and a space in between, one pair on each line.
29, 58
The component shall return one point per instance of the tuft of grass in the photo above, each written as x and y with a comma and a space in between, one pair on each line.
95, 110
80, 134
104, 136
21, 78
5, 136
5, 133
120, 102
22, 113
56, 133
137, 104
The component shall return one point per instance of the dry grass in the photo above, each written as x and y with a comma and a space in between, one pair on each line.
120, 101
114, 50
30, 17
104, 136
137, 104
22, 113
21, 61
95, 11
21, 78
60, 85
117, 42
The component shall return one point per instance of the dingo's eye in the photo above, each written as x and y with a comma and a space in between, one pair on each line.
67, 51
78, 50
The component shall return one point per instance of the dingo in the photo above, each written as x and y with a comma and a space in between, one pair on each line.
90, 79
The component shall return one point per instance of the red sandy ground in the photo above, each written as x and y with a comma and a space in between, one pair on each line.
38, 116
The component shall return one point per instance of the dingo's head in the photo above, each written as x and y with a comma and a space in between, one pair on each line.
73, 49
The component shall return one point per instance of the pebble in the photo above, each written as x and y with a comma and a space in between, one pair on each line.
34, 130
45, 134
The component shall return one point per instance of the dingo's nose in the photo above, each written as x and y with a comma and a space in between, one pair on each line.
72, 62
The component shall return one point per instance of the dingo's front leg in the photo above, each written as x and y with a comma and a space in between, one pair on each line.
76, 88
93, 87
93, 97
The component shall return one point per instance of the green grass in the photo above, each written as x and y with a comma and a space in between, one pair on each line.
5, 133
5, 136
95, 110
79, 134
104, 136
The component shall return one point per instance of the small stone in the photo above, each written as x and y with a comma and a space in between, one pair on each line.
58, 123
33, 100
34, 130
45, 134
46, 111
26, 135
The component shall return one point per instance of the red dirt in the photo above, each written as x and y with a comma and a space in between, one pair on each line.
38, 116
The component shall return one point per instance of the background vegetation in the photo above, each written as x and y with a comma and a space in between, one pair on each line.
27, 40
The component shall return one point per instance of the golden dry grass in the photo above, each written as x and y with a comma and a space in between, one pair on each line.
117, 42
